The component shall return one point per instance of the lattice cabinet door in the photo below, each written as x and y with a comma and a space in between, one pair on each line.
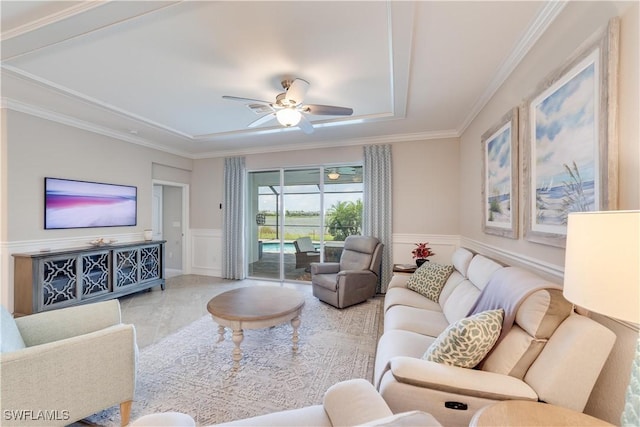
96, 271
126, 267
150, 263
58, 284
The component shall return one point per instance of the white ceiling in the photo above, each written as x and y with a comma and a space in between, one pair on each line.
154, 72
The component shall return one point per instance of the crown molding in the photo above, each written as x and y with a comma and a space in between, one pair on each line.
51, 19
46, 84
534, 31
383, 139
42, 113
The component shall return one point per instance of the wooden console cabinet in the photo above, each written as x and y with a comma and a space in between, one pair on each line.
49, 280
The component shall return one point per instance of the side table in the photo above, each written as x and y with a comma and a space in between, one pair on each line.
528, 413
404, 268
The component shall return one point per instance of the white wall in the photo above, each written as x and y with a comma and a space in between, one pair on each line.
575, 24
34, 148
425, 186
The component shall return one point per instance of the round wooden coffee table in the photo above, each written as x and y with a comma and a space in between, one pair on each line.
255, 307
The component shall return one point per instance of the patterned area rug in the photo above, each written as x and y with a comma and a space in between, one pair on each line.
191, 372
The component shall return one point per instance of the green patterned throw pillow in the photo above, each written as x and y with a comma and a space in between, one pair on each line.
429, 279
466, 342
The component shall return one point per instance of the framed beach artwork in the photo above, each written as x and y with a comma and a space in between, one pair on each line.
570, 141
500, 177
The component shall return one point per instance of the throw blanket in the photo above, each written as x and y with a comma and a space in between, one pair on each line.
507, 289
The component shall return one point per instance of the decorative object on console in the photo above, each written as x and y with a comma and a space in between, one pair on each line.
570, 140
102, 242
611, 239
421, 253
500, 177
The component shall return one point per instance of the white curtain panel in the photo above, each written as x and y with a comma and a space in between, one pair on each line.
377, 204
232, 219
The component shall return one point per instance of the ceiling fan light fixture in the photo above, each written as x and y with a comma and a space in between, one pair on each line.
288, 116
333, 175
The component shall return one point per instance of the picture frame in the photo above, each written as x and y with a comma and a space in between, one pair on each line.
500, 177
570, 157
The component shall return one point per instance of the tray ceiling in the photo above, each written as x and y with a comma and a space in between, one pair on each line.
154, 73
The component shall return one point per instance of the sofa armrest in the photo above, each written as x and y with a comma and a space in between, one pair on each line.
88, 373
325, 267
353, 402
463, 381
56, 325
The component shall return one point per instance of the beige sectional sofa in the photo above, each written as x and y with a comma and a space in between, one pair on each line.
547, 353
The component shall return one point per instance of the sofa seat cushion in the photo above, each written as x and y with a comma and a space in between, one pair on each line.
429, 279
10, 339
419, 320
406, 297
327, 281
466, 342
398, 343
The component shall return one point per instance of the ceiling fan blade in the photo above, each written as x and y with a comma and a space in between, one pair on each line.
262, 120
305, 125
297, 91
327, 110
245, 100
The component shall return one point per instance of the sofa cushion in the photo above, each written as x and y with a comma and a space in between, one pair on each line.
419, 320
542, 312
466, 342
537, 318
461, 259
10, 339
480, 270
429, 279
462, 298
405, 297
452, 282
515, 353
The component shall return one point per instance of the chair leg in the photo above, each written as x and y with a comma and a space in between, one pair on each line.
125, 412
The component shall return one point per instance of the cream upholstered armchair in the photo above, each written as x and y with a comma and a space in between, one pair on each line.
354, 278
63, 365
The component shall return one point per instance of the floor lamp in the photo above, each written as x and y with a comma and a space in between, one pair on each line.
602, 274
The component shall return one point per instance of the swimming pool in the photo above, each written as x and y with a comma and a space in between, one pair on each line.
274, 247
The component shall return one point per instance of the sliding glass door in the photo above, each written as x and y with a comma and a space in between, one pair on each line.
300, 215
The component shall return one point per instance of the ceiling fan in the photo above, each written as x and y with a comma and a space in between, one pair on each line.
288, 107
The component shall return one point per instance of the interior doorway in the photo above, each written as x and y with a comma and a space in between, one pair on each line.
170, 217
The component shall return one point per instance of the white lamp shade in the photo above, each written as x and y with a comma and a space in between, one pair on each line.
602, 263
288, 116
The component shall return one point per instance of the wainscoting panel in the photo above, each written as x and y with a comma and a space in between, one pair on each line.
442, 244
552, 272
206, 252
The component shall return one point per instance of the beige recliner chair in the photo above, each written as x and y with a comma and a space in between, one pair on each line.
63, 365
354, 279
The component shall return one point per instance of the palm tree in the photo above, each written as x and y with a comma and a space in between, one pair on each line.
344, 219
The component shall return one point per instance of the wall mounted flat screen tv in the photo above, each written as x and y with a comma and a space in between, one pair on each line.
82, 204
